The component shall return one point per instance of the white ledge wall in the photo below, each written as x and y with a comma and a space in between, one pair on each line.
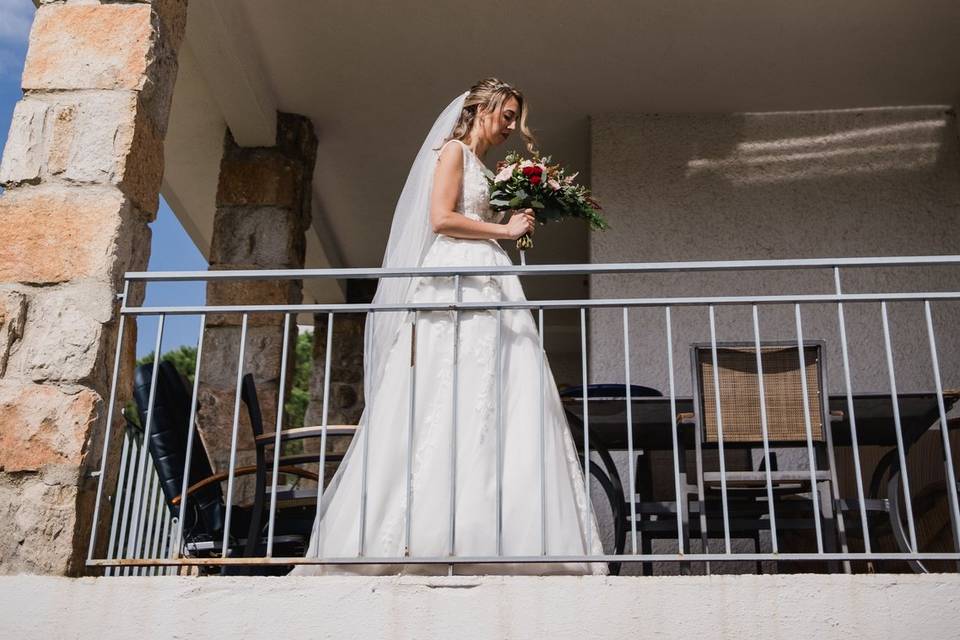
788, 607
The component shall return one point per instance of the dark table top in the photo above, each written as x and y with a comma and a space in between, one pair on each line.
652, 419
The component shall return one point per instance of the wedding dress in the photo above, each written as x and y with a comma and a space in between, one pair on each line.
569, 523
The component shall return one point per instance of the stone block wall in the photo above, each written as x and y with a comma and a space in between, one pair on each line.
82, 169
263, 212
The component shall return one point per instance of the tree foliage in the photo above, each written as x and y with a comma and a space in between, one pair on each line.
184, 359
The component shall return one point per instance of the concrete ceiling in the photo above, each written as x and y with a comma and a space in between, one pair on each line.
373, 75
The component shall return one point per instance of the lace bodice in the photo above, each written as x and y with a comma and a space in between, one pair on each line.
474, 198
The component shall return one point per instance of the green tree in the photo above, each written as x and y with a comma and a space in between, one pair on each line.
299, 397
184, 359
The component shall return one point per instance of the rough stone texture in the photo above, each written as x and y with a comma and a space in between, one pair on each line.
86, 138
260, 237
263, 212
82, 169
53, 235
13, 314
42, 424
89, 47
38, 520
346, 370
63, 334
260, 179
226, 292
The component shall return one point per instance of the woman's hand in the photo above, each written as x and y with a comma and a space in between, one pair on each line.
520, 223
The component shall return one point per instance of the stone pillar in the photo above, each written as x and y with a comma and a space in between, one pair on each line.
346, 370
263, 212
82, 169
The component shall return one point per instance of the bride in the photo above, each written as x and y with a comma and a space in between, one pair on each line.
440, 456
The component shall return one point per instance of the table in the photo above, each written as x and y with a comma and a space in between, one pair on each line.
653, 421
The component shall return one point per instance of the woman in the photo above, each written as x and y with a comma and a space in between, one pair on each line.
440, 456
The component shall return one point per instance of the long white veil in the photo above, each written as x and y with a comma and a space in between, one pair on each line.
410, 238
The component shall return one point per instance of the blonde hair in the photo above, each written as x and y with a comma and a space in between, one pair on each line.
491, 93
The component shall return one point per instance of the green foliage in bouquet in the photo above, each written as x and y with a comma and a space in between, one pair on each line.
544, 187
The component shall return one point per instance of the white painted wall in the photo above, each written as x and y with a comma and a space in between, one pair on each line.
870, 182
791, 607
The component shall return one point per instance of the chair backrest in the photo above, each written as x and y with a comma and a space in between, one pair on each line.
740, 391
169, 426
248, 393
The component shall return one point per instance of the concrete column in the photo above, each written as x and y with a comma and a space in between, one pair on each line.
82, 169
263, 212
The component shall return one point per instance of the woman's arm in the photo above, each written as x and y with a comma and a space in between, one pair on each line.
443, 219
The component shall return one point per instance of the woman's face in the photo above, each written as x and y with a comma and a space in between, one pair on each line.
496, 127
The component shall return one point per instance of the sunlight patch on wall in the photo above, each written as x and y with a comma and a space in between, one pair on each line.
906, 146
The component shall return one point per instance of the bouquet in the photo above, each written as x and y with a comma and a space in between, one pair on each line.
544, 187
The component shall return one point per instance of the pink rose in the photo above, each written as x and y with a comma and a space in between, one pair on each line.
505, 173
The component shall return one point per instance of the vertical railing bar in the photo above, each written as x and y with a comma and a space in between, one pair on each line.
498, 380
765, 434
907, 501
125, 541
277, 442
109, 426
166, 542
367, 429
143, 547
158, 521
411, 416
811, 462
723, 466
118, 498
142, 543
587, 516
170, 545
191, 431
453, 422
542, 461
630, 460
324, 421
137, 525
951, 479
854, 438
673, 434
233, 439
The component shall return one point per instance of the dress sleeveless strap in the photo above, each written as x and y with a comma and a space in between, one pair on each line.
463, 149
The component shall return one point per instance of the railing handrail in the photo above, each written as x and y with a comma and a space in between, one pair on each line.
588, 303
546, 269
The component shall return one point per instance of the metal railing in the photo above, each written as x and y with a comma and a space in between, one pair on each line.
143, 531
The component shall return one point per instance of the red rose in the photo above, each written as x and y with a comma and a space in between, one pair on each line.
535, 179
529, 171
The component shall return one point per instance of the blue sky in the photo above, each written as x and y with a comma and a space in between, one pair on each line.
171, 250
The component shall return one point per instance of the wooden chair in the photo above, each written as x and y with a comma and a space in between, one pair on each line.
787, 430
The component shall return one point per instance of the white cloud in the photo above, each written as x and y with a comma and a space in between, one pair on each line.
15, 19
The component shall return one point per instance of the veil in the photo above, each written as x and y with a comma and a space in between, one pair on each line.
409, 241
410, 238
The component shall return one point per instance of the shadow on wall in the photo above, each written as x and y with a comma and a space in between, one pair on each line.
823, 147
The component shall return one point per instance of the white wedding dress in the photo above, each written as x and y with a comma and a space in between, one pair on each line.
336, 533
